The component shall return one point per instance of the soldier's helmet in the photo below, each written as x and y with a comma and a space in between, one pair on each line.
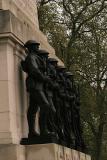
30, 43
42, 52
61, 68
52, 60
68, 74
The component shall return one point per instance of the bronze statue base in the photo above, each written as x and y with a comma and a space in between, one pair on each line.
42, 139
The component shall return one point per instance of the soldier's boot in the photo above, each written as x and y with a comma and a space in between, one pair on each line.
43, 124
31, 124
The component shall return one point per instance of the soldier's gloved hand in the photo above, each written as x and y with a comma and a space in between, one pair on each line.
47, 79
53, 109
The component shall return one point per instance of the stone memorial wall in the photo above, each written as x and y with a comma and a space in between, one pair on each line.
20, 7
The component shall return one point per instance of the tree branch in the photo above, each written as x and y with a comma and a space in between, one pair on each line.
92, 16
67, 9
84, 8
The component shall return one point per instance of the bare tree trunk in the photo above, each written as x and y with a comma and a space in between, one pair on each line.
99, 140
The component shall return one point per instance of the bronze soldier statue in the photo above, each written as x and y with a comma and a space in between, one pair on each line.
60, 102
74, 100
51, 90
34, 66
48, 90
70, 109
80, 145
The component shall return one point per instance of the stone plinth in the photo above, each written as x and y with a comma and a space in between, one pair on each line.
12, 152
53, 152
40, 152
88, 157
82, 156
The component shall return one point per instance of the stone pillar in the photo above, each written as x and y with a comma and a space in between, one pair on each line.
13, 99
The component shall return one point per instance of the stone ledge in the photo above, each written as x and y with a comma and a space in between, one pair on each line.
40, 152
53, 152
22, 31
12, 39
12, 152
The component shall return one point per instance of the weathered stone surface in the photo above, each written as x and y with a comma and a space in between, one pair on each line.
7, 95
67, 153
38, 152
75, 155
26, 10
59, 152
88, 157
53, 152
12, 152
82, 156
3, 63
22, 31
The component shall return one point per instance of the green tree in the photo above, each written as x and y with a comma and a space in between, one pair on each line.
76, 15
91, 68
50, 23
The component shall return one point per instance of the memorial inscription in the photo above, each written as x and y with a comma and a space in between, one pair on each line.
29, 8
23, 9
